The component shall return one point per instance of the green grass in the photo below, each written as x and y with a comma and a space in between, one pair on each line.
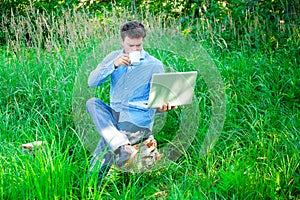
255, 157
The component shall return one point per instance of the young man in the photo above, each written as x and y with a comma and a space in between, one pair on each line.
124, 122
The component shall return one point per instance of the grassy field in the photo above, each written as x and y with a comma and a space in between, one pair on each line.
255, 157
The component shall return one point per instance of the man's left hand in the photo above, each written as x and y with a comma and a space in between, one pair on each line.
166, 107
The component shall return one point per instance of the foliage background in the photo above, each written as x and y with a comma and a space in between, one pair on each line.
227, 13
254, 44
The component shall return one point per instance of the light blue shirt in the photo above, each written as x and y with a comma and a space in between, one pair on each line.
129, 87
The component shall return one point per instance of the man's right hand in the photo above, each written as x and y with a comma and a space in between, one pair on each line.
122, 59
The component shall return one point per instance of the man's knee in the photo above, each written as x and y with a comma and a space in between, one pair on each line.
91, 103
95, 103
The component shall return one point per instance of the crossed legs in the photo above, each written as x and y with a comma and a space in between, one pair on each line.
113, 135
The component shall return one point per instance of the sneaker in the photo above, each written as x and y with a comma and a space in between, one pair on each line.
103, 172
106, 164
126, 156
101, 165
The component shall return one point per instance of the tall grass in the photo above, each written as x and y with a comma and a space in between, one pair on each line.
256, 156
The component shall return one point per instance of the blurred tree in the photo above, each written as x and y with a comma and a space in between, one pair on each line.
237, 12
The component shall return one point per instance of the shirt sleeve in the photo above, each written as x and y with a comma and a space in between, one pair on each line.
103, 70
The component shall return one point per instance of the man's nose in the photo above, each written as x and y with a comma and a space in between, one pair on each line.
136, 48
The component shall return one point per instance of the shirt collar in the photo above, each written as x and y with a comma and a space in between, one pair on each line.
143, 53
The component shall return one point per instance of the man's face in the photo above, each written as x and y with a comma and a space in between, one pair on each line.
132, 44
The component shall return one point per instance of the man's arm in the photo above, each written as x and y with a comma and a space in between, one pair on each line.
103, 70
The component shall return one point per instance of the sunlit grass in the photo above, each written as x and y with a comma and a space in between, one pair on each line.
256, 156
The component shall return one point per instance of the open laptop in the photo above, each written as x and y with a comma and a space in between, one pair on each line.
176, 88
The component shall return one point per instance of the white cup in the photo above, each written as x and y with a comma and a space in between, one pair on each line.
134, 57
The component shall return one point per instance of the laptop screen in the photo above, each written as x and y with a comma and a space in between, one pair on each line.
176, 88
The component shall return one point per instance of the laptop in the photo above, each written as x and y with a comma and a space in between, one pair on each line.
176, 88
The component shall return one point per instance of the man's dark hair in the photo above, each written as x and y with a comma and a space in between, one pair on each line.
133, 29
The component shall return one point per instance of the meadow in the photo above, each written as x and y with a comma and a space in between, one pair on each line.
256, 155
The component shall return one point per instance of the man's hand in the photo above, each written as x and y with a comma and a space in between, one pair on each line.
122, 59
166, 107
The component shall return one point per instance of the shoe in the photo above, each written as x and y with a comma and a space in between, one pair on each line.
102, 173
126, 156
106, 164
102, 165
